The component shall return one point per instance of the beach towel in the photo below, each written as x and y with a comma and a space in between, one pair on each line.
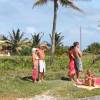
97, 85
97, 81
87, 87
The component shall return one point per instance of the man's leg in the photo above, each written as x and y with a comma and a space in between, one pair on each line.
42, 76
78, 78
79, 69
78, 75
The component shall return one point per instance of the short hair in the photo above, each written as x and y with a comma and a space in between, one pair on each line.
75, 44
71, 47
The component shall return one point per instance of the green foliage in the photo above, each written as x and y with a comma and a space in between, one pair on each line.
15, 70
64, 3
16, 41
26, 51
36, 39
93, 48
58, 39
15, 62
61, 50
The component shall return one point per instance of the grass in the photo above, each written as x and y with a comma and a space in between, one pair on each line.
15, 79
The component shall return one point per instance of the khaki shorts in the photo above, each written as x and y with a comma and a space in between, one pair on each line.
78, 64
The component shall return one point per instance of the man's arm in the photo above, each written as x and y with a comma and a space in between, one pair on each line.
77, 53
80, 53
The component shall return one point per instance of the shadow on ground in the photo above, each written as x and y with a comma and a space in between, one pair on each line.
65, 79
26, 78
29, 78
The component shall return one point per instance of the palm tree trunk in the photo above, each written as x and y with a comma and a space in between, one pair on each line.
54, 30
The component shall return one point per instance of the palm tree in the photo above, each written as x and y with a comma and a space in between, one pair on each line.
65, 3
58, 39
36, 38
16, 41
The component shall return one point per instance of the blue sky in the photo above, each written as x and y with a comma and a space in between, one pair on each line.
19, 14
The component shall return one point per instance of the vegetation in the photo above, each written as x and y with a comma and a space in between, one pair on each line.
36, 39
16, 71
16, 41
93, 48
58, 39
60, 49
64, 3
15, 78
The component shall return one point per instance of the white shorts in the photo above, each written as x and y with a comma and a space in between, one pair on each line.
42, 65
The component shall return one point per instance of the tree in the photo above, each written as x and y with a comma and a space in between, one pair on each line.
16, 40
93, 48
36, 38
65, 3
58, 39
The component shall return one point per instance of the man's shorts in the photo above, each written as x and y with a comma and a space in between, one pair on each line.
42, 66
78, 63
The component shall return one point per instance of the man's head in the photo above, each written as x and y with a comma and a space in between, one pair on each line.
76, 44
43, 46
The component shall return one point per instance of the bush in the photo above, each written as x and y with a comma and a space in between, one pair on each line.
26, 51
93, 48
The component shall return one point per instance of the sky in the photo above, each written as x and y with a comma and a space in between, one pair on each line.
16, 14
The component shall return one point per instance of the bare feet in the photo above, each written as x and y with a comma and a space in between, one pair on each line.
78, 82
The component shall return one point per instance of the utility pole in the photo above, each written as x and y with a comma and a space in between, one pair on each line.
80, 38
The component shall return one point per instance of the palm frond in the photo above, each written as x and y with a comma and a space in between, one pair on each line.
16, 40
69, 3
39, 2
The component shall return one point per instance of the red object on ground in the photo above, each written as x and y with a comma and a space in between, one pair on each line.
34, 74
97, 81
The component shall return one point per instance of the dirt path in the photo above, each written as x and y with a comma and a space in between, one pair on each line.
46, 96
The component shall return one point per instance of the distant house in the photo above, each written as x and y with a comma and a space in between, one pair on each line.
5, 49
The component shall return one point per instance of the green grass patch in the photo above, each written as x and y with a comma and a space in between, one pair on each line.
14, 83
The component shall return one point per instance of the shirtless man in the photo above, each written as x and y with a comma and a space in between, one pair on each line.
41, 52
78, 62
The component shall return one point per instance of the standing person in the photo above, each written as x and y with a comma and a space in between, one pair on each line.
35, 64
78, 62
42, 66
72, 71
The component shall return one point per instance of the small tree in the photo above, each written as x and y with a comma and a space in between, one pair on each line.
59, 48
16, 40
36, 39
93, 48
58, 39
